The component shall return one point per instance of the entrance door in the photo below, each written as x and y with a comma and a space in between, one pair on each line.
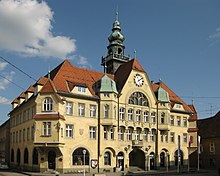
152, 161
137, 158
162, 159
120, 161
51, 160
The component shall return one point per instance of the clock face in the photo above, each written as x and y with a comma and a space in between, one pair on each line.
138, 80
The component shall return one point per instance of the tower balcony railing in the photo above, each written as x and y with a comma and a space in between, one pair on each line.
114, 56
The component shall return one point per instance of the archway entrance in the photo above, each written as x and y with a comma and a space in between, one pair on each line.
137, 158
162, 159
51, 160
176, 157
120, 161
152, 161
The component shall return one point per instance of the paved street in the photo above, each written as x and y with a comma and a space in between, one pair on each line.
172, 173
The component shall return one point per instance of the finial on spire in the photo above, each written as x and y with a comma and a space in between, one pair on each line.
135, 52
116, 16
49, 72
105, 67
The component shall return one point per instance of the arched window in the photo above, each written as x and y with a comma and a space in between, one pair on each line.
18, 156
47, 104
35, 156
138, 98
26, 156
107, 158
12, 155
78, 156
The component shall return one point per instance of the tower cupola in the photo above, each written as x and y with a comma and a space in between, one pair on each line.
115, 56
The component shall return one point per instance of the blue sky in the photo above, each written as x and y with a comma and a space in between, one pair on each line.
177, 41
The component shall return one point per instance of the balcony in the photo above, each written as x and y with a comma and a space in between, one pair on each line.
164, 127
114, 56
137, 143
108, 122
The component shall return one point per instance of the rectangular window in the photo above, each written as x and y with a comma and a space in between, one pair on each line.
92, 110
105, 132
153, 117
145, 135
152, 135
24, 133
185, 137
129, 134
92, 132
32, 132
185, 122
69, 130
46, 128
137, 134
16, 136
69, 108
172, 137
20, 135
146, 116
106, 95
212, 147
120, 134
33, 112
28, 134
122, 113
81, 109
178, 121
106, 111
130, 114
166, 136
81, 89
162, 118
138, 115
112, 133
172, 120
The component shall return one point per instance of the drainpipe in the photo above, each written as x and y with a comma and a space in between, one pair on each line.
156, 141
99, 113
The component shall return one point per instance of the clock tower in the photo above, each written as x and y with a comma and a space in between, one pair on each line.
115, 56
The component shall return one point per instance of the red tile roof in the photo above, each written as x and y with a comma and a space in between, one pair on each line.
173, 97
66, 74
30, 89
48, 87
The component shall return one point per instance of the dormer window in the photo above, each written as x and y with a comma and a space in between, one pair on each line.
178, 106
35, 90
47, 104
26, 97
81, 89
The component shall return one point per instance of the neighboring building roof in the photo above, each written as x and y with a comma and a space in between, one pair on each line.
48, 87
194, 116
172, 96
209, 127
124, 71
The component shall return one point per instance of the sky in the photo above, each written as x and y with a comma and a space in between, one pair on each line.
177, 41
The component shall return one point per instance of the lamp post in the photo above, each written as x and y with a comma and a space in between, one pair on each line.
84, 159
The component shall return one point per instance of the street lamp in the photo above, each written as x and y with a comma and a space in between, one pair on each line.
84, 159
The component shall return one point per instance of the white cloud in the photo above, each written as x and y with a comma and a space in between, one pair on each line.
83, 62
216, 35
5, 82
26, 29
3, 65
4, 100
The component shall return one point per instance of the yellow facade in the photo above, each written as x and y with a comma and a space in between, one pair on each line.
76, 119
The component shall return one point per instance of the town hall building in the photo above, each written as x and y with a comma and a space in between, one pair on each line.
73, 119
